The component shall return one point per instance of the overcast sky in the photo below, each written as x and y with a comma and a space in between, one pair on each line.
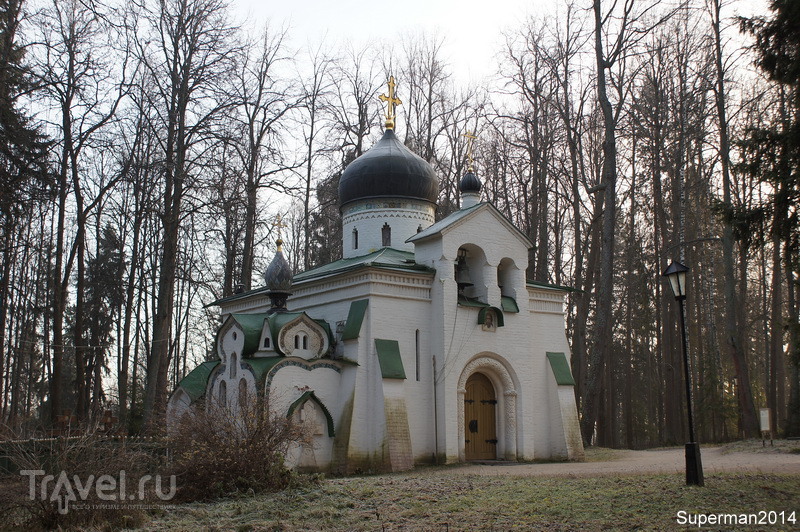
472, 29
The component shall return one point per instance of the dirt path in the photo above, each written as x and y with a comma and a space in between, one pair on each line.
648, 462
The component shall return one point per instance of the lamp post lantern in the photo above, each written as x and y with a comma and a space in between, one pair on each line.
676, 273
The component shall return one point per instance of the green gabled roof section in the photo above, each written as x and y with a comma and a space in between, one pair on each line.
464, 301
560, 367
509, 304
354, 319
389, 358
261, 366
445, 222
310, 395
540, 284
454, 219
234, 297
252, 325
194, 384
278, 320
385, 258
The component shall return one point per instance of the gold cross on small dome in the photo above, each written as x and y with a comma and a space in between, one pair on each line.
391, 101
470, 138
278, 226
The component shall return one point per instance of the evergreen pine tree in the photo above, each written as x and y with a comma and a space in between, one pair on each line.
23, 169
775, 158
23, 153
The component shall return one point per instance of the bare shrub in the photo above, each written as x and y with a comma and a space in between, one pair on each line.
56, 483
219, 452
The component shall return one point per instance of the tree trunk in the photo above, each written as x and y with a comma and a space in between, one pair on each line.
158, 363
793, 419
601, 345
732, 327
248, 252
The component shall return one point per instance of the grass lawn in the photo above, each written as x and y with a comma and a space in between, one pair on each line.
435, 499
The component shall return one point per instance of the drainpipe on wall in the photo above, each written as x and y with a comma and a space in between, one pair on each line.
435, 418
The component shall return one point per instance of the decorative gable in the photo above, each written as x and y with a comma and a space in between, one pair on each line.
303, 338
464, 216
230, 340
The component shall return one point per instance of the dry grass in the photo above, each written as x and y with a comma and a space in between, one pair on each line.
757, 446
433, 499
603, 454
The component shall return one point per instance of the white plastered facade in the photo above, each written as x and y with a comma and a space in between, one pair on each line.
381, 421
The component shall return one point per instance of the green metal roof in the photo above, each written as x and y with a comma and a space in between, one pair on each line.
389, 358
388, 258
235, 297
279, 319
354, 319
539, 284
509, 304
261, 366
252, 325
560, 367
464, 301
194, 384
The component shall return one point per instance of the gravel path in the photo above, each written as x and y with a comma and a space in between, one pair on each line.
647, 462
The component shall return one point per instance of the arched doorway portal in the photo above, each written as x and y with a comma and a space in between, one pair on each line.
480, 421
491, 367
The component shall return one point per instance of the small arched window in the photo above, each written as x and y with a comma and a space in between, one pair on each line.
242, 393
355, 238
305, 342
386, 235
506, 271
223, 394
232, 369
266, 343
297, 341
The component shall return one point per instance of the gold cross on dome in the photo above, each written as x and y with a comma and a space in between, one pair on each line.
470, 138
278, 226
391, 101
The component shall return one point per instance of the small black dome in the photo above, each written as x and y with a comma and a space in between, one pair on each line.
279, 273
388, 170
469, 183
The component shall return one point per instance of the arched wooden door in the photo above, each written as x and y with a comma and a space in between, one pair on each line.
480, 438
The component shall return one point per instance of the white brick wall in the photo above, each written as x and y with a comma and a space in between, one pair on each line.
541, 421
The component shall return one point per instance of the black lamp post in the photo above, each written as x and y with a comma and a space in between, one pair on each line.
676, 273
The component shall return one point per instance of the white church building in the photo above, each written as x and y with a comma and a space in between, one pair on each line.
424, 343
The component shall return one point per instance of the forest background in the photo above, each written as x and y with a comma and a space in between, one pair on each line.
148, 147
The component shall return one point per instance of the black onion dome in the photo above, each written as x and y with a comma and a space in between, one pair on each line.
469, 183
279, 273
388, 170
